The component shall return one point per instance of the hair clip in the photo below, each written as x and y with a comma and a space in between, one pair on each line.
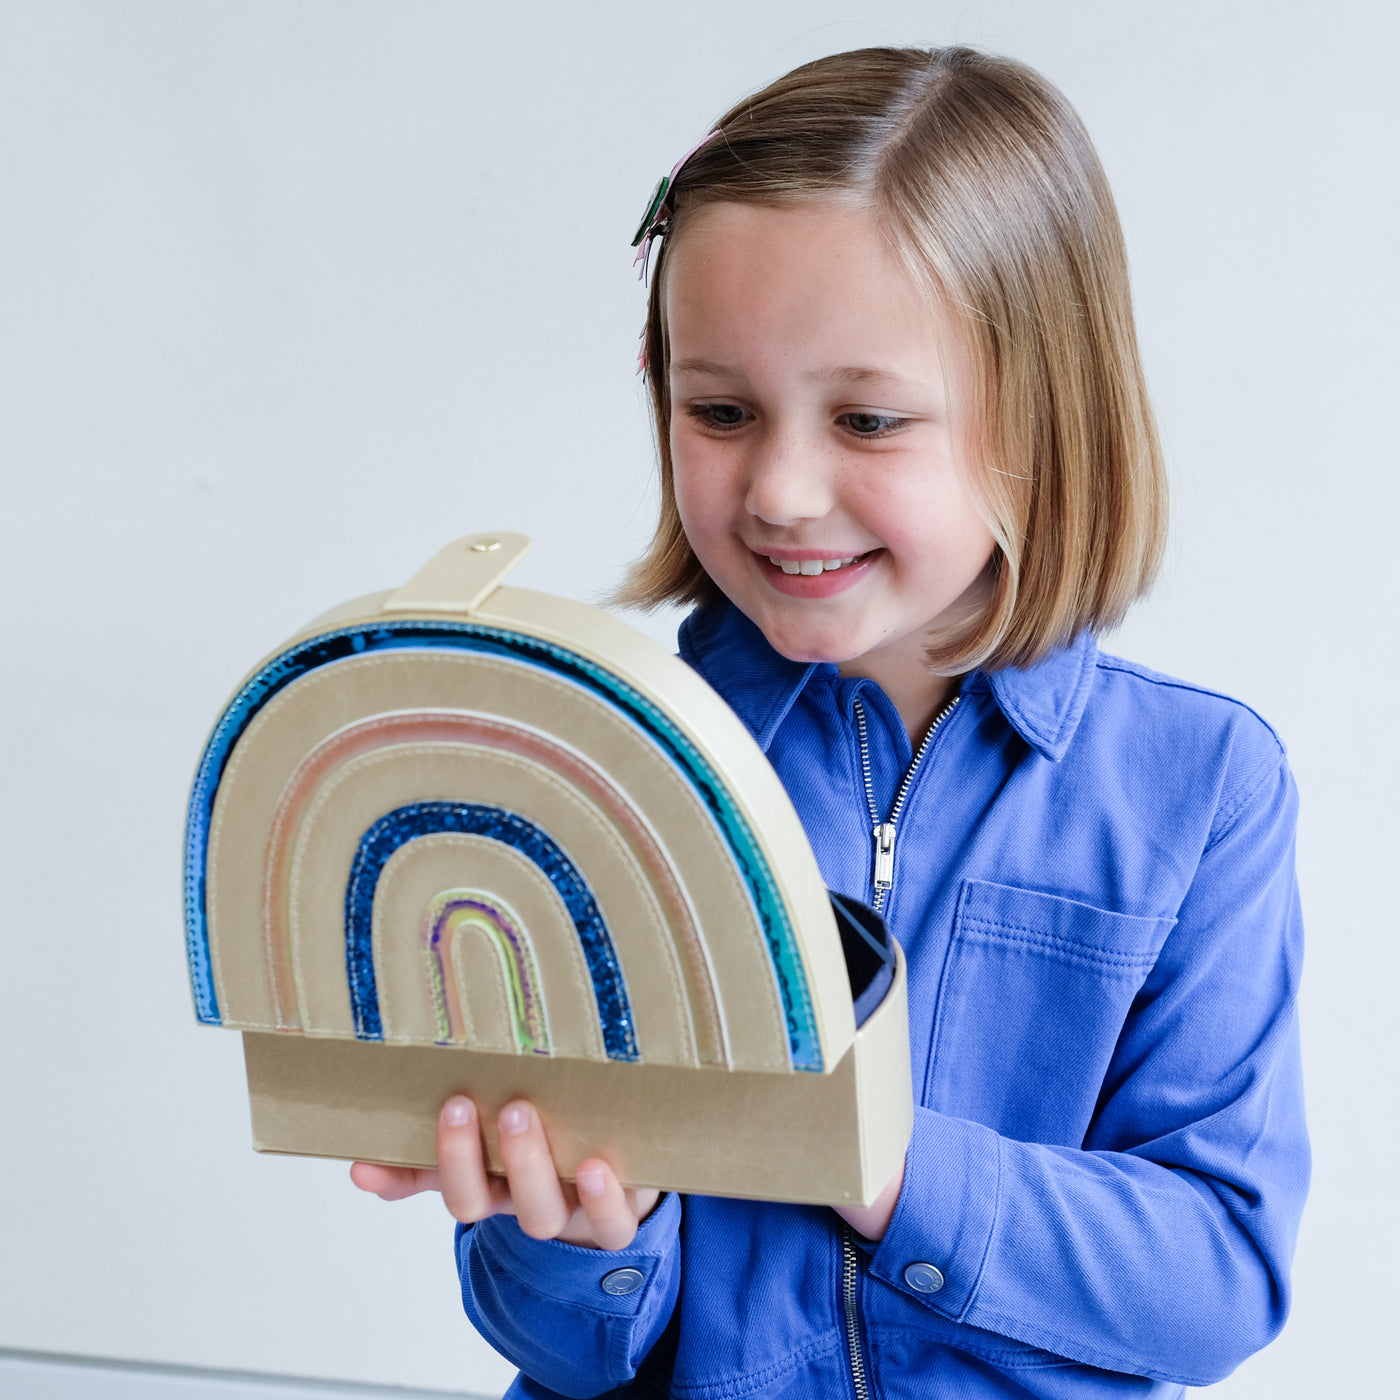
656, 221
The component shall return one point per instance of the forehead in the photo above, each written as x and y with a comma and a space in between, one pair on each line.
814, 282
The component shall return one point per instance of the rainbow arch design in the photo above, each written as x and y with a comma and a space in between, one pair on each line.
418, 819
273, 782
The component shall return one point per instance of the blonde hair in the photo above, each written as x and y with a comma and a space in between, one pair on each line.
986, 182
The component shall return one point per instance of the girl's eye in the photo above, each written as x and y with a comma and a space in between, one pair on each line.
871, 425
722, 416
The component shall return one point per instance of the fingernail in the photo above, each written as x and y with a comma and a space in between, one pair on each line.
458, 1112
590, 1182
514, 1119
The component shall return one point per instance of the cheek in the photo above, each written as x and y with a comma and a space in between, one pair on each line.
684, 482
940, 532
701, 490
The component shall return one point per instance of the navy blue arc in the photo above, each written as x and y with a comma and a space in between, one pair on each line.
405, 824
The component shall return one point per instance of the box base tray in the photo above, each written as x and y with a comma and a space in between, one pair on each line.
820, 1139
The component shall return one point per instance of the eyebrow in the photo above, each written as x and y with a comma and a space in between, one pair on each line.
856, 374
846, 374
695, 366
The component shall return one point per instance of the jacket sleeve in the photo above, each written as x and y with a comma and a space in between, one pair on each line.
1162, 1247
542, 1304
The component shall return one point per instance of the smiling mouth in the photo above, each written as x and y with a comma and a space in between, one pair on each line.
812, 567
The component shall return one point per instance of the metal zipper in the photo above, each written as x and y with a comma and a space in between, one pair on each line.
848, 1292
884, 831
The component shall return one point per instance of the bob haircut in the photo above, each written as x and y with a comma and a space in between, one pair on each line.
985, 181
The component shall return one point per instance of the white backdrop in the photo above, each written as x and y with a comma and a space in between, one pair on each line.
293, 291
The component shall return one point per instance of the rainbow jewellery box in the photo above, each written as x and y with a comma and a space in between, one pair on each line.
461, 837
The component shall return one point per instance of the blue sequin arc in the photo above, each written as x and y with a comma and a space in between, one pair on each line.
405, 824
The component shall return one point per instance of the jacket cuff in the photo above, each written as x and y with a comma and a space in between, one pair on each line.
573, 1273
936, 1242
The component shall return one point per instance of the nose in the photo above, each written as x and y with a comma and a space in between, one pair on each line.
788, 481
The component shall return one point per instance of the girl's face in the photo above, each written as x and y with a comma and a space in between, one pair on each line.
818, 435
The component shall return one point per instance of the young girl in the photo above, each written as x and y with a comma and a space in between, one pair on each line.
908, 472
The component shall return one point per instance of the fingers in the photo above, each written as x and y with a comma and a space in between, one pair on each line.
598, 1212
537, 1195
392, 1183
609, 1213
467, 1192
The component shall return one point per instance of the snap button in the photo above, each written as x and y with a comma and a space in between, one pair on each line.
923, 1278
624, 1281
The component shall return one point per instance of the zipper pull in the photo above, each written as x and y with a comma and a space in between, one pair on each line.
884, 857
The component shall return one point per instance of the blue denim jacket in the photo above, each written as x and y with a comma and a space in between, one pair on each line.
1095, 893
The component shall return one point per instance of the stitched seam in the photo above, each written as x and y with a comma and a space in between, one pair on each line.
1035, 730
991, 921
1076, 952
1126, 668
1080, 701
1229, 813
1104, 1360
988, 921
1074, 711
1028, 1357
778, 710
1233, 813
987, 1246
944, 972
749, 1381
574, 1302
1049, 726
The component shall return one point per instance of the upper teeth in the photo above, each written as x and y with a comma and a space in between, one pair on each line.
810, 566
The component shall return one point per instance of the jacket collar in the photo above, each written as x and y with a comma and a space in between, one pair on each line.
1042, 703
734, 656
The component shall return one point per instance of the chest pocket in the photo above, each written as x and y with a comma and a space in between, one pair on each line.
1034, 994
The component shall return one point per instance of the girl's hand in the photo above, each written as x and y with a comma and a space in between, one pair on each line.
873, 1220
594, 1211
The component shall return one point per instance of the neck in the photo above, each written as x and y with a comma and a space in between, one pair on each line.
918, 696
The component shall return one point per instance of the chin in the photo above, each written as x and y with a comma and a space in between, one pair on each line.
807, 649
